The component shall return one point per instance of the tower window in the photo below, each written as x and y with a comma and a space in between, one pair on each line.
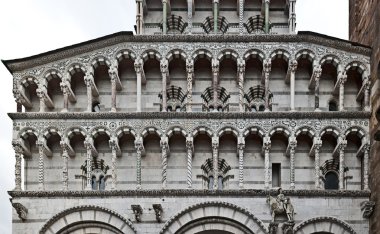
333, 106
331, 180
276, 175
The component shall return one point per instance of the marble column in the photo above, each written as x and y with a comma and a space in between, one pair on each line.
215, 79
88, 146
216, 14
367, 89
65, 170
190, 76
114, 147
66, 93
164, 16
190, 151
266, 148
41, 95
241, 72
366, 166
241, 17
189, 16
342, 80
240, 147
292, 145
41, 168
267, 66
139, 17
293, 68
164, 143
317, 162
215, 159
18, 154
342, 145
113, 72
164, 66
139, 151
267, 3
139, 66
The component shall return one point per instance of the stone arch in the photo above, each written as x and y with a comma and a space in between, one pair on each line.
70, 132
52, 73
206, 213
202, 129
357, 66
255, 130
176, 53
93, 216
100, 130
359, 131
27, 80
176, 129
76, 67
254, 53
228, 130
324, 224
202, 53
305, 53
148, 130
281, 54
330, 129
99, 61
125, 130
151, 54
330, 58
125, 54
51, 130
23, 133
279, 129
305, 130
228, 53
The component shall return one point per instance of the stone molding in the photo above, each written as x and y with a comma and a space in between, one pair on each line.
62, 214
192, 115
193, 193
21, 210
316, 220
123, 37
212, 204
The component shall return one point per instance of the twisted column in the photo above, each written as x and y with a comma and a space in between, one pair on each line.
215, 160
18, 154
241, 72
215, 73
41, 169
240, 147
266, 147
267, 66
342, 80
317, 163
317, 73
164, 66
164, 143
241, 17
366, 166
293, 68
342, 145
190, 151
190, 75
139, 65
114, 147
139, 151
292, 145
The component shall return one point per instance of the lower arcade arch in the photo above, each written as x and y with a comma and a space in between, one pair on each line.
214, 217
324, 225
79, 219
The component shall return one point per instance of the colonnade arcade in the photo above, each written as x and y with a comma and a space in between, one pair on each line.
248, 152
202, 81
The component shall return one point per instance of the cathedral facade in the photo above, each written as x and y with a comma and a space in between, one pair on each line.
215, 117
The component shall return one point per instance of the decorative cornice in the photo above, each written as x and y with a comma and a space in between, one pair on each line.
345, 225
192, 115
122, 37
190, 193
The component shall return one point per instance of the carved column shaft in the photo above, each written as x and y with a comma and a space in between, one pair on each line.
215, 72
317, 163
241, 71
266, 70
18, 155
139, 70
293, 67
139, 151
366, 167
164, 155
65, 92
164, 17
367, 87
216, 3
292, 167
190, 75
113, 168
190, 150
189, 16
164, 71
342, 80
241, 17
88, 81
267, 3
215, 158
241, 146
65, 171
89, 169
267, 146
41, 96
41, 168
139, 18
342, 147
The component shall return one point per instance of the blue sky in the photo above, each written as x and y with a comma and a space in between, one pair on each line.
32, 27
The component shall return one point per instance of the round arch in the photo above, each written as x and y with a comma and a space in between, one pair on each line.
88, 216
323, 225
222, 215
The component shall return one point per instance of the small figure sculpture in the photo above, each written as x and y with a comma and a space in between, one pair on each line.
281, 205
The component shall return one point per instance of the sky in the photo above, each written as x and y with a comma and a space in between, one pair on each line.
32, 27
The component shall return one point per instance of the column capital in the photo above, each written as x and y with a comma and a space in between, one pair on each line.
317, 141
342, 142
241, 66
139, 145
139, 65
241, 143
317, 71
342, 78
164, 66
164, 142
189, 65
17, 147
190, 142
293, 65
113, 71
114, 145
267, 65
266, 143
215, 142
215, 65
